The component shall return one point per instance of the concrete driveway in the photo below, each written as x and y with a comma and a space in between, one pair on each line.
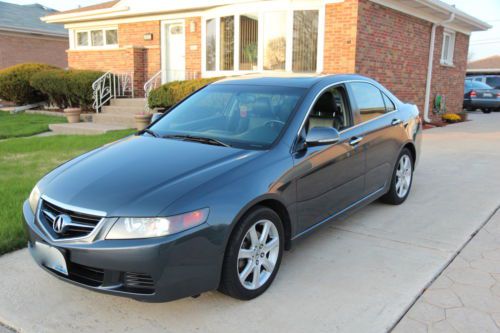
356, 275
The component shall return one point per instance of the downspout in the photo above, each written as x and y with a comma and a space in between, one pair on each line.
430, 66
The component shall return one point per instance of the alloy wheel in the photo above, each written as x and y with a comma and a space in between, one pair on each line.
258, 254
403, 176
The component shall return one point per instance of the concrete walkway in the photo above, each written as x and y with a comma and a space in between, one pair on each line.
356, 275
466, 296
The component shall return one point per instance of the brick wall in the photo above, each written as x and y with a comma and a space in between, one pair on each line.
20, 48
393, 48
340, 37
193, 47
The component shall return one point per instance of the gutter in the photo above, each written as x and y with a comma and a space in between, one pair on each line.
431, 64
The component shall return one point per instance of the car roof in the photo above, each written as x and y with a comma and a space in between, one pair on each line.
288, 80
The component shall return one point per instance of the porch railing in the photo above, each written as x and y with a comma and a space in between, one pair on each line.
112, 85
166, 76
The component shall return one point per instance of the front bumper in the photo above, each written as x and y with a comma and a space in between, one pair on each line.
154, 270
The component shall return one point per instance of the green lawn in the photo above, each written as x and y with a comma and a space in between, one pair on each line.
23, 124
23, 161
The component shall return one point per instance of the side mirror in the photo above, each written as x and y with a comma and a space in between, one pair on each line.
319, 136
155, 117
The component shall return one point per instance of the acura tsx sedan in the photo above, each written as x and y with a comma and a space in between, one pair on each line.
213, 191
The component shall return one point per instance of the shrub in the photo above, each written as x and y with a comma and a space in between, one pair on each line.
72, 88
15, 83
451, 117
173, 92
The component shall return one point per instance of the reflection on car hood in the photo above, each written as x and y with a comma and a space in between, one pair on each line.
139, 176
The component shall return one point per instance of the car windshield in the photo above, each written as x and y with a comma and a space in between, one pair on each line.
242, 116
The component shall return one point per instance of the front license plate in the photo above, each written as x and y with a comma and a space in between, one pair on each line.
49, 257
487, 95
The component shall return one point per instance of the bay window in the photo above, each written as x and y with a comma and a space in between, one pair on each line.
274, 40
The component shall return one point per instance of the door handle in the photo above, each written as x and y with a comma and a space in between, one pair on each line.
355, 140
396, 122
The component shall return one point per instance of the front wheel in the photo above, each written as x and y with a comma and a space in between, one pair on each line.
253, 255
401, 181
486, 111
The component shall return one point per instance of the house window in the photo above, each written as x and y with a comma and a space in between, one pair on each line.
211, 45
249, 41
97, 38
275, 41
305, 40
448, 48
226, 43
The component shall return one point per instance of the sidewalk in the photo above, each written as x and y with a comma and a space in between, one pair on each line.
466, 296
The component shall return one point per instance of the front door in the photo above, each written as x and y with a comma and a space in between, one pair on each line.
329, 178
175, 53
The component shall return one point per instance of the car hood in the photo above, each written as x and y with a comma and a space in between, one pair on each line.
139, 176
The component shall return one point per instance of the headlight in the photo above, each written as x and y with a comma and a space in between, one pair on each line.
34, 198
141, 227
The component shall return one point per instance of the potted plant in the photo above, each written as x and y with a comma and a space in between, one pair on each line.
142, 120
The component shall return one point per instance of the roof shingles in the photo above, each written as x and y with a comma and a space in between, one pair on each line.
26, 18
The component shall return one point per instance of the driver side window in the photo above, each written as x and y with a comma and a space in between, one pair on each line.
330, 110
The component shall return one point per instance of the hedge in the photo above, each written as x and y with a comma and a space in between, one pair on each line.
171, 93
15, 83
67, 88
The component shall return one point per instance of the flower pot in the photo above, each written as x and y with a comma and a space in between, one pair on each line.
142, 121
73, 115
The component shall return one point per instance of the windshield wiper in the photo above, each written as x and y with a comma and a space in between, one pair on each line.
200, 139
148, 131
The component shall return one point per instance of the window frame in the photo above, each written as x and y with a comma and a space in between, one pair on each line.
89, 45
240, 10
450, 52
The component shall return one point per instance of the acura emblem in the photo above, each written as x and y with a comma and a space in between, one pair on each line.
61, 223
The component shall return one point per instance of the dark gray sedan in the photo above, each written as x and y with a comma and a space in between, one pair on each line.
212, 193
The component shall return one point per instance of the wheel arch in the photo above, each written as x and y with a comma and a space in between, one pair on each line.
272, 203
411, 147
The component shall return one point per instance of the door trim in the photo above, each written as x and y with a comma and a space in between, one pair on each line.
163, 44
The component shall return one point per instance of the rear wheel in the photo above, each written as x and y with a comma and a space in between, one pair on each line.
253, 255
402, 178
486, 111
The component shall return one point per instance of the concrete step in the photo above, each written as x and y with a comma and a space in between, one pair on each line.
139, 102
119, 109
126, 120
84, 128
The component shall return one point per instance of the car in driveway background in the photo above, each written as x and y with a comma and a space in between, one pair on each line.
479, 95
211, 194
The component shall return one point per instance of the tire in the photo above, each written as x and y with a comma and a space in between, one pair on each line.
486, 111
400, 184
257, 256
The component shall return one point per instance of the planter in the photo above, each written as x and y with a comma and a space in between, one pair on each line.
73, 115
142, 121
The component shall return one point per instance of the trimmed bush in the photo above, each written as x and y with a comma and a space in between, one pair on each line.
171, 93
15, 83
71, 88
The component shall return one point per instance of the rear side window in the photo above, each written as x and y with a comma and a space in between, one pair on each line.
389, 105
369, 99
493, 81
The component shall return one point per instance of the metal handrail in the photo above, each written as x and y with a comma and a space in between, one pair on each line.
111, 85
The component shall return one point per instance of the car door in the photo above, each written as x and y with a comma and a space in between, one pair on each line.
329, 178
381, 129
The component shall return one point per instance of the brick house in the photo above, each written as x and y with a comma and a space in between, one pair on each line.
417, 48
24, 38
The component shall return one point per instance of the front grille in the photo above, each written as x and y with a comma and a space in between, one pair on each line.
86, 275
138, 283
81, 224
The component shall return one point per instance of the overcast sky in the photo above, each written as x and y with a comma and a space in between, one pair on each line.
483, 44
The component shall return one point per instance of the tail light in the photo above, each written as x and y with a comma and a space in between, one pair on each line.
498, 94
473, 94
